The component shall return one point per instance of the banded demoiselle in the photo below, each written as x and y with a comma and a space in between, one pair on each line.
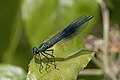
76, 27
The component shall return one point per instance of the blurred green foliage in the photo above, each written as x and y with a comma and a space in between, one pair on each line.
90, 77
27, 23
8, 21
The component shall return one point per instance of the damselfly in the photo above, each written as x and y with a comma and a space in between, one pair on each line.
71, 30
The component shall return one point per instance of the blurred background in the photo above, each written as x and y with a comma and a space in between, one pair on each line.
25, 24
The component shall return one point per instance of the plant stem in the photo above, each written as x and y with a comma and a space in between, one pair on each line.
105, 19
105, 16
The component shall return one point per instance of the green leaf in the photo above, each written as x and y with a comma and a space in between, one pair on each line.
68, 67
10, 72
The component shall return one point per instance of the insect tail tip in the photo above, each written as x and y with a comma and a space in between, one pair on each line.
90, 17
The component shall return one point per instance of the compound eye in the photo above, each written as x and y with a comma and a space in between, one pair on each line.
35, 51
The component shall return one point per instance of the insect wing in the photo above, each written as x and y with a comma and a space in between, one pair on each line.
79, 25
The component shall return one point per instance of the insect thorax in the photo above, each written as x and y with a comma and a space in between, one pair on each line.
42, 47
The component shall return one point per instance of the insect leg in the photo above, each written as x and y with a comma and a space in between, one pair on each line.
52, 57
51, 51
47, 66
41, 66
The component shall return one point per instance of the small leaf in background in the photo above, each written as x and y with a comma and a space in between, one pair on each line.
10, 72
